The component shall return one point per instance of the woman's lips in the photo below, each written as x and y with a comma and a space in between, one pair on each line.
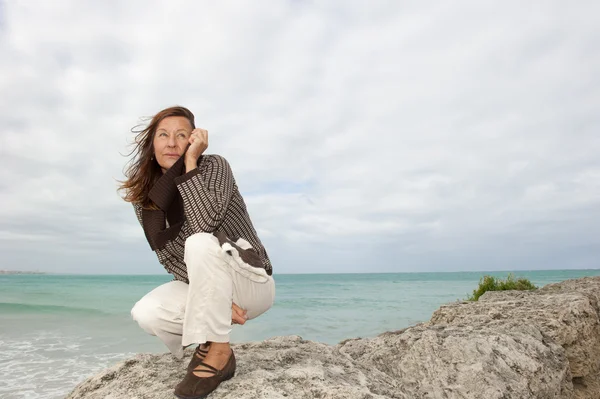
172, 155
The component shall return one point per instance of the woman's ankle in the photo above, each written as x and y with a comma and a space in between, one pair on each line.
219, 347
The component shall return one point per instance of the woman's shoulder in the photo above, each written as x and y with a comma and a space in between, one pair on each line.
213, 157
214, 160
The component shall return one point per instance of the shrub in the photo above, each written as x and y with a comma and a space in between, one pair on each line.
490, 283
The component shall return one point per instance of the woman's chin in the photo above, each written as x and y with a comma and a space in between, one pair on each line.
167, 163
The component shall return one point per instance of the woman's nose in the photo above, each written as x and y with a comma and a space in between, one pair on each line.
171, 142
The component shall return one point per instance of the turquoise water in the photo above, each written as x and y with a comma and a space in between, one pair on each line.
62, 328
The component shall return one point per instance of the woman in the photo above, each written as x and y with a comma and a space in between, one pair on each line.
196, 221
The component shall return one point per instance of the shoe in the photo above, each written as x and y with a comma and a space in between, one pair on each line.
197, 358
194, 387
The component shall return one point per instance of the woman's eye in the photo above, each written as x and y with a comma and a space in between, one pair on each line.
182, 135
162, 134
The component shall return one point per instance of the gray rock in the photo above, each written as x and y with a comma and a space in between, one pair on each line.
511, 344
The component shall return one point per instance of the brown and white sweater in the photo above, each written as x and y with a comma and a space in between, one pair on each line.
204, 200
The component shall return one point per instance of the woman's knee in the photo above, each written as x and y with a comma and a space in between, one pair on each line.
202, 240
200, 245
145, 312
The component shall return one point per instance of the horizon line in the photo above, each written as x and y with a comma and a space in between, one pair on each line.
36, 272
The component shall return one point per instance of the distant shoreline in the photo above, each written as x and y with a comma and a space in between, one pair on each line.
19, 272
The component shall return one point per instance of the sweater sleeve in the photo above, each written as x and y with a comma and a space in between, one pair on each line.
206, 196
138, 213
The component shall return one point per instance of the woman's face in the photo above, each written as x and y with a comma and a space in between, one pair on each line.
170, 140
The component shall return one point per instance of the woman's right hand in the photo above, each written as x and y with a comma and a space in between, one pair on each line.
238, 315
198, 144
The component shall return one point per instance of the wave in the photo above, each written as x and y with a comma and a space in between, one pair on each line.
8, 307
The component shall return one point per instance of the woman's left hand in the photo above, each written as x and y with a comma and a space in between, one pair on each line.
238, 315
198, 144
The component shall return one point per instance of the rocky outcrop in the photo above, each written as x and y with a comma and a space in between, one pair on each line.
539, 344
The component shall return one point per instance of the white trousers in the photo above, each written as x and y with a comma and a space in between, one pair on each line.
180, 314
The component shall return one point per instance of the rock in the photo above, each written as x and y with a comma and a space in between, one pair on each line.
282, 367
565, 313
511, 344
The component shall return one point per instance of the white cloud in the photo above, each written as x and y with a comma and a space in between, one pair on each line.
379, 138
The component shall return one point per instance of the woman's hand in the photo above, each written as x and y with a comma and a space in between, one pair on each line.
238, 315
198, 144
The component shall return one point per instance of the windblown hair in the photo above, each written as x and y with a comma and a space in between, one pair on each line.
143, 170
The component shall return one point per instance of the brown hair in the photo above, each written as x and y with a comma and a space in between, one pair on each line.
142, 170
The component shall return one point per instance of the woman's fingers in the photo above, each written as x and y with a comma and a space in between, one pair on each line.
198, 144
200, 134
241, 312
237, 319
199, 138
238, 315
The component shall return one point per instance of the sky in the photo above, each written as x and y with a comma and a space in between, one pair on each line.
364, 136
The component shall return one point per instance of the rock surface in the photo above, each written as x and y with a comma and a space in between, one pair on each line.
511, 344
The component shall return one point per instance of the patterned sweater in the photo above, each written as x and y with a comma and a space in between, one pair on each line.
204, 200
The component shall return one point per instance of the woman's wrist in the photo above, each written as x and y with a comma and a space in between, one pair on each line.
190, 165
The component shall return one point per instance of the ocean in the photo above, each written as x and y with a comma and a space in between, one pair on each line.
56, 330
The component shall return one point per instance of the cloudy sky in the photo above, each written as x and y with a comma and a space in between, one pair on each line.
370, 136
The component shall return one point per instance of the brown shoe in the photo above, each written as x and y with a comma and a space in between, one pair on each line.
197, 358
194, 387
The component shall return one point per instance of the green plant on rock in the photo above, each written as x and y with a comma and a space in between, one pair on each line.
490, 283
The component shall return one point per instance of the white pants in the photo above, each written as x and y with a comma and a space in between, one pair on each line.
180, 314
